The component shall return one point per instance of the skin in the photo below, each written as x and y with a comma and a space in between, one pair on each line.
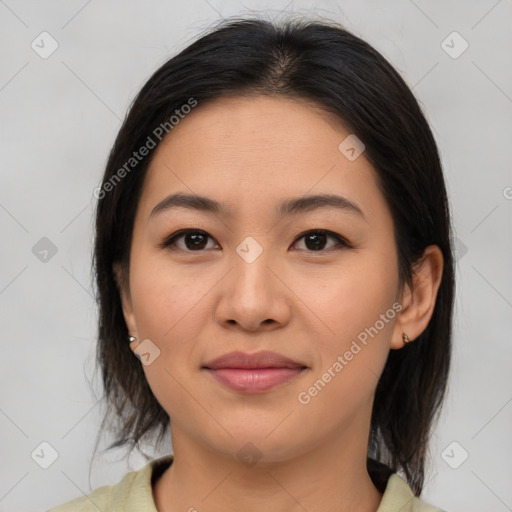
195, 305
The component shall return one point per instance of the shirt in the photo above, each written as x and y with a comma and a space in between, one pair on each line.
134, 493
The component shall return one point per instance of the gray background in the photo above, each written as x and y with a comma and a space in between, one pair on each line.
60, 115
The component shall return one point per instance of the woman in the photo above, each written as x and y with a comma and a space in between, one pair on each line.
275, 278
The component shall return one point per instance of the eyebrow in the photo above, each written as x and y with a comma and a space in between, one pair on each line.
288, 207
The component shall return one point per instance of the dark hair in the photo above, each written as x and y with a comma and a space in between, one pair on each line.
320, 62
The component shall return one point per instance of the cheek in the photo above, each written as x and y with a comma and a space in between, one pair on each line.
356, 310
169, 311
165, 298
347, 298
355, 306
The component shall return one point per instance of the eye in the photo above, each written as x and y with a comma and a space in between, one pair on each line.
196, 240
315, 240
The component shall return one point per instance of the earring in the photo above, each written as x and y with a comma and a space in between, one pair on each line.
405, 338
132, 338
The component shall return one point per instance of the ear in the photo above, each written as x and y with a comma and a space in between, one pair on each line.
123, 285
418, 303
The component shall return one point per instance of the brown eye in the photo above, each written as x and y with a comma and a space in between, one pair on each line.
192, 241
316, 240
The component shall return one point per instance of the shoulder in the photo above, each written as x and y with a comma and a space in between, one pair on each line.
398, 496
132, 493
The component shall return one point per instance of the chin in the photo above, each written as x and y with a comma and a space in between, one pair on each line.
251, 446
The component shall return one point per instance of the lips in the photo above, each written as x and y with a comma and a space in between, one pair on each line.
264, 359
253, 373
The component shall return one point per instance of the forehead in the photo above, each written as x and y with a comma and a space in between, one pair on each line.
265, 124
256, 151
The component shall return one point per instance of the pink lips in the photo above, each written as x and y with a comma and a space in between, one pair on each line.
253, 373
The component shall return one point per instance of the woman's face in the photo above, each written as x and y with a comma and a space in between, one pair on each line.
251, 279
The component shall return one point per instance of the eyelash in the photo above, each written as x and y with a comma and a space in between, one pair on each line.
170, 240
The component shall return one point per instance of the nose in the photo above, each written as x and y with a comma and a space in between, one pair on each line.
253, 296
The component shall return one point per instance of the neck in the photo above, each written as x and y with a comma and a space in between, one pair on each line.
331, 477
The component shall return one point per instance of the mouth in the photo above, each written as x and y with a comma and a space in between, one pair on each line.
253, 373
